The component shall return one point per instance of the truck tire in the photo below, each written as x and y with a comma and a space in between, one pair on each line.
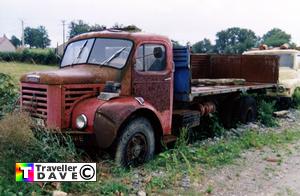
136, 143
247, 110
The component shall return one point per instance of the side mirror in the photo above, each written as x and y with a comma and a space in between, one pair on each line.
157, 52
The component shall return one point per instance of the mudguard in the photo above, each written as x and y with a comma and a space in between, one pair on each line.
106, 117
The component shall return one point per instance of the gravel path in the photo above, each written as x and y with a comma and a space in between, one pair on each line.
259, 172
264, 171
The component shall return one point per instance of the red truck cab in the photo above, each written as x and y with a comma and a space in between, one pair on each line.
116, 87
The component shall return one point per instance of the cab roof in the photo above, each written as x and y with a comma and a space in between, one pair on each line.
134, 36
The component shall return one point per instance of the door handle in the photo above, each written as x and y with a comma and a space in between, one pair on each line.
167, 79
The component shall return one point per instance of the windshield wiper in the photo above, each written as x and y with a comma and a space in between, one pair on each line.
80, 52
112, 57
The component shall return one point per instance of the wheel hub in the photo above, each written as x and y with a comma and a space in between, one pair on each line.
136, 149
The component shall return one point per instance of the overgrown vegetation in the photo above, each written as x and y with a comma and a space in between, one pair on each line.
189, 159
296, 98
18, 144
265, 113
45, 57
8, 94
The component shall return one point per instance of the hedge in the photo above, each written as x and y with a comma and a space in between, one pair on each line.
47, 57
8, 94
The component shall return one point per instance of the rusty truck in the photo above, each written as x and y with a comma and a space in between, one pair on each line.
130, 91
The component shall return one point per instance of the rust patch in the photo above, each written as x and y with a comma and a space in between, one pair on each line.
126, 81
252, 68
105, 130
78, 74
153, 88
200, 65
109, 117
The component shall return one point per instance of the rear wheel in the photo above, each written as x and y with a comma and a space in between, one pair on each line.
228, 112
247, 110
136, 144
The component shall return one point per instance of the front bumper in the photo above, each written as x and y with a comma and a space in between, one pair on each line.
285, 93
82, 138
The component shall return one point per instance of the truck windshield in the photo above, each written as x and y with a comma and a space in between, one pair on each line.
286, 60
99, 51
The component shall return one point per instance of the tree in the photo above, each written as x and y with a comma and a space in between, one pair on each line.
97, 27
203, 46
235, 40
15, 41
36, 37
128, 28
276, 37
131, 28
176, 43
78, 27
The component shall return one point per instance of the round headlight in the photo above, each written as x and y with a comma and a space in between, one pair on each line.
81, 121
281, 89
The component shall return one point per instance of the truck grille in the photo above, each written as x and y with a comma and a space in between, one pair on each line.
75, 94
54, 103
34, 100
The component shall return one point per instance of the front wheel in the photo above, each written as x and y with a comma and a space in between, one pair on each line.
136, 143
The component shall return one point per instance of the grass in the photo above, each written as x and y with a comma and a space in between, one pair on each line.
40, 50
19, 144
209, 189
296, 98
265, 113
16, 69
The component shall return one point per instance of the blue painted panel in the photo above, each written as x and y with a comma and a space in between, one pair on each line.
181, 57
181, 80
182, 73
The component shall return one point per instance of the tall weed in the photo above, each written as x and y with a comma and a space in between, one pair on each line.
19, 144
265, 113
296, 98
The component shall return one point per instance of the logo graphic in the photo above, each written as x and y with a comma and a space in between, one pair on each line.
55, 172
87, 172
24, 172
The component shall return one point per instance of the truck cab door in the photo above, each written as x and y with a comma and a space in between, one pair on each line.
153, 79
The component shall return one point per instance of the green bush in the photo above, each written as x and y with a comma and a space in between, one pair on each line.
8, 94
46, 57
296, 98
265, 113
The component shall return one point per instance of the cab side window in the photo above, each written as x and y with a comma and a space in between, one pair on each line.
151, 57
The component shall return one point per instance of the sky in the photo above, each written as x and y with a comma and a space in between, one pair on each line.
181, 20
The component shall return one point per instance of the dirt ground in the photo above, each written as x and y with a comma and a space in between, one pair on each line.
260, 172
266, 171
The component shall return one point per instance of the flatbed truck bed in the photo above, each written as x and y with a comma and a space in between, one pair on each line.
258, 72
222, 89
